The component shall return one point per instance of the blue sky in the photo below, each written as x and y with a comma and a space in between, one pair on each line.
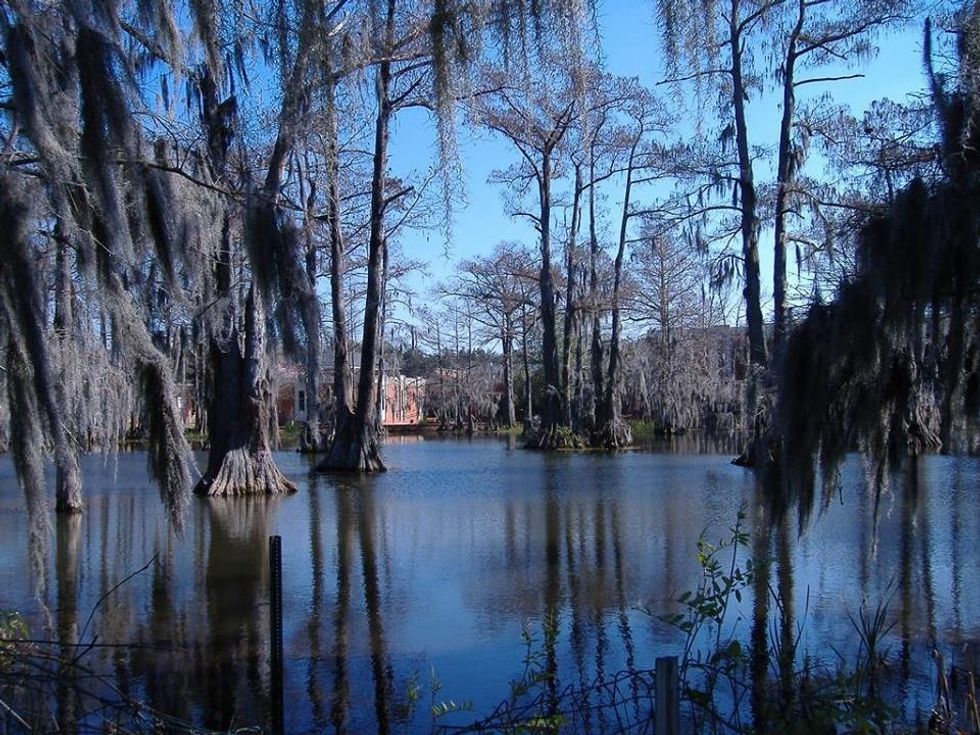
631, 47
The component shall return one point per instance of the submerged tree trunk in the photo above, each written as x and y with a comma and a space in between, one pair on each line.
613, 432
356, 442
528, 394
240, 461
311, 440
507, 342
550, 435
568, 416
342, 385
597, 412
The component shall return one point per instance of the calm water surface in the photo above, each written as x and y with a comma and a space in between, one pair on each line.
437, 570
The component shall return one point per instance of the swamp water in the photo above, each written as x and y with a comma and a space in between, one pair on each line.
469, 561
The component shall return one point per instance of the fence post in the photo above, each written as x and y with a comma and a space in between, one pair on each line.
275, 632
667, 711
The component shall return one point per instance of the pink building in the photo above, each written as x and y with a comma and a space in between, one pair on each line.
402, 398
403, 401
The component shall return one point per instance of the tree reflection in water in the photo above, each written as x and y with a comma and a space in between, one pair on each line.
357, 525
444, 562
317, 592
235, 579
67, 539
339, 710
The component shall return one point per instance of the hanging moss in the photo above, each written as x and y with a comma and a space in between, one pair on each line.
890, 365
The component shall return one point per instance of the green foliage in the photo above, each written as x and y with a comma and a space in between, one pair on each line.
717, 668
13, 628
444, 707
643, 430
289, 434
713, 657
536, 703
536, 671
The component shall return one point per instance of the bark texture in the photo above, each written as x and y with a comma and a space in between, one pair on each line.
240, 462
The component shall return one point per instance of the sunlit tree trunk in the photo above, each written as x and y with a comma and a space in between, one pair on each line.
342, 390
570, 306
507, 341
747, 198
356, 444
311, 439
615, 432
551, 415
784, 179
528, 393
598, 410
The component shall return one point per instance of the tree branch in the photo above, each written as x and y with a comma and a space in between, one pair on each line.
815, 80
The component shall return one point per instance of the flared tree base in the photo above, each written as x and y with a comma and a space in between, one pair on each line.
353, 451
244, 473
613, 434
553, 438
312, 440
68, 495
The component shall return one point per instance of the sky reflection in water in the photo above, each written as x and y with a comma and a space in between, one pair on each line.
436, 567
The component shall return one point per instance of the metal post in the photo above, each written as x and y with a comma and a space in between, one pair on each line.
668, 705
275, 632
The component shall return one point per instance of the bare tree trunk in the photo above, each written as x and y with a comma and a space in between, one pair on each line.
507, 342
312, 439
598, 414
64, 318
552, 418
528, 393
382, 317
342, 389
784, 179
240, 458
615, 432
569, 320
579, 383
749, 215
758, 357
356, 444
457, 387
